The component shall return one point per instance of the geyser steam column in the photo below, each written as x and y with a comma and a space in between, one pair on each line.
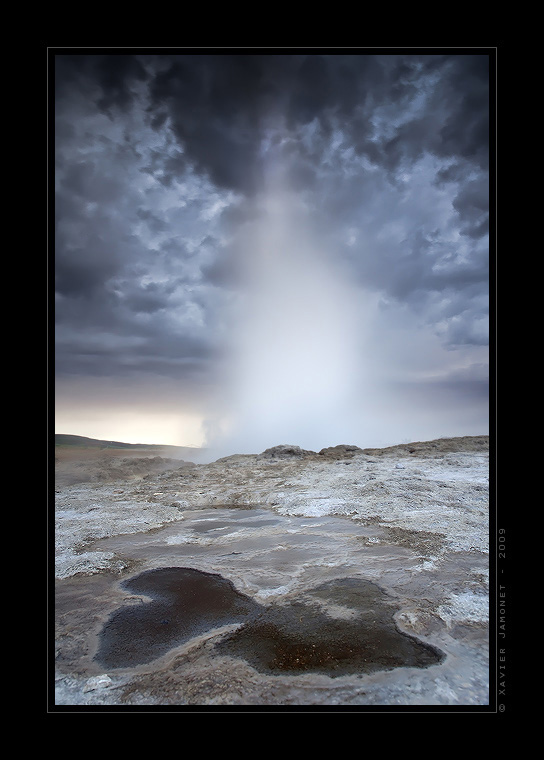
293, 364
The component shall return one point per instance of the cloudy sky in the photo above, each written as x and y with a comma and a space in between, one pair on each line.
254, 248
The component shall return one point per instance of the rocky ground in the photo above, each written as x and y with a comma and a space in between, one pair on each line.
341, 578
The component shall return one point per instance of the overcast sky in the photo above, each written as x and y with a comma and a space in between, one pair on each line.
256, 249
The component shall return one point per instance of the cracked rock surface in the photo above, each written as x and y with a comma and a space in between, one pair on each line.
410, 523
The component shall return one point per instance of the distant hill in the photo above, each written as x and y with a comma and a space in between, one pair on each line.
80, 440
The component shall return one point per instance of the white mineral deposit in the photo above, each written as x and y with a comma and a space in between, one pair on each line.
386, 549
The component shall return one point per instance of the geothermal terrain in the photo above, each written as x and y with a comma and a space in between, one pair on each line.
339, 578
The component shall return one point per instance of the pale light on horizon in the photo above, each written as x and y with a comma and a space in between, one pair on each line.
124, 427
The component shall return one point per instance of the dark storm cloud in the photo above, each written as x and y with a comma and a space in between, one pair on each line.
472, 205
86, 253
215, 104
165, 168
219, 104
108, 78
155, 223
390, 149
115, 334
219, 107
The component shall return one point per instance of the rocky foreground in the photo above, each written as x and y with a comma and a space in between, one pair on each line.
384, 548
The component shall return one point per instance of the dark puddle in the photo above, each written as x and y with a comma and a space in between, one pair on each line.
358, 635
301, 636
186, 603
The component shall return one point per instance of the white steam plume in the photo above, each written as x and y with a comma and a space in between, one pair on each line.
292, 370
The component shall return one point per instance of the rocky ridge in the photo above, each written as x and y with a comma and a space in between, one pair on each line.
419, 517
